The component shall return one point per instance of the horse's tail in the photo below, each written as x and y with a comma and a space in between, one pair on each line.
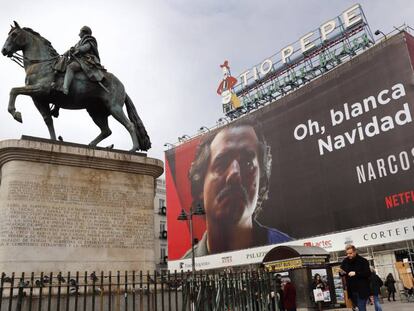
143, 138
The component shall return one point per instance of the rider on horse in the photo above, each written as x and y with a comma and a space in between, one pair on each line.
84, 56
38, 56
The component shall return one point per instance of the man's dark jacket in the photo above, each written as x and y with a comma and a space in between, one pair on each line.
360, 283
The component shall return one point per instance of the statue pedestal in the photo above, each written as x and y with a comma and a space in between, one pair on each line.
67, 207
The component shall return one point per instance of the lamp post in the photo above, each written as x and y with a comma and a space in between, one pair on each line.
222, 121
204, 129
183, 138
379, 32
199, 211
168, 145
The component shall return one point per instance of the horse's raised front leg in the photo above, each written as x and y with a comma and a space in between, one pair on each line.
14, 92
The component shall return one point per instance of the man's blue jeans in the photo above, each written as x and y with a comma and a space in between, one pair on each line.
360, 302
377, 303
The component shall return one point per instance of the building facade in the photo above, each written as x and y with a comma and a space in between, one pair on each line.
160, 226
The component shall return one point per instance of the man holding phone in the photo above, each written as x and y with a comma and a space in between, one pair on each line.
357, 273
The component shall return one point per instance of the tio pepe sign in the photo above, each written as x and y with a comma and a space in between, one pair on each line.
315, 53
350, 18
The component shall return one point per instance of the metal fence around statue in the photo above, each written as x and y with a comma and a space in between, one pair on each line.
247, 290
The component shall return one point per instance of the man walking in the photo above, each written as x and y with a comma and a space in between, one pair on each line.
357, 273
289, 293
376, 284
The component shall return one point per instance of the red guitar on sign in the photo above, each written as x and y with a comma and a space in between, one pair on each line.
225, 89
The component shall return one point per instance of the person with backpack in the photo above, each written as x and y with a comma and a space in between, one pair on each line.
376, 284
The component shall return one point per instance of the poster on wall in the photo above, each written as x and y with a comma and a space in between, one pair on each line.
320, 285
339, 286
335, 155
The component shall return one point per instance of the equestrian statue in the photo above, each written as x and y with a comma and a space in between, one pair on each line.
74, 80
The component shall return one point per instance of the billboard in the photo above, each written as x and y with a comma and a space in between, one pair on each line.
335, 155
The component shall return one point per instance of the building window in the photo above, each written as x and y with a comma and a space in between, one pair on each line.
162, 226
162, 210
161, 203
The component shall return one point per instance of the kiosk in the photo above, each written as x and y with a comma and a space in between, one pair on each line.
301, 264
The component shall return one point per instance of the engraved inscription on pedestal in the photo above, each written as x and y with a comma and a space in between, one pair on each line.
71, 217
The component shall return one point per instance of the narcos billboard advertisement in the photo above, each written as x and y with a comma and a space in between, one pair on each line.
335, 155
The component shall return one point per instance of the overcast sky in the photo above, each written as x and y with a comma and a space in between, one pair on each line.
167, 54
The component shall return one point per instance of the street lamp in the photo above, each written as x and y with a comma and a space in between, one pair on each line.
379, 32
183, 138
184, 216
169, 145
204, 129
222, 120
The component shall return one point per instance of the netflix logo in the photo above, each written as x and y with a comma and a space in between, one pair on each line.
398, 199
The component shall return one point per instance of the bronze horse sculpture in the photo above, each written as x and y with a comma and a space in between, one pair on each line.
38, 59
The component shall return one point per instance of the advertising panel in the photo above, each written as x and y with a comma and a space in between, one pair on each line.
321, 285
335, 155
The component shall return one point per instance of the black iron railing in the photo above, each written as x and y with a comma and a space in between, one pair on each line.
247, 290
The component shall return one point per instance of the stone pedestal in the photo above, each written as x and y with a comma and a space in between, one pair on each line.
67, 207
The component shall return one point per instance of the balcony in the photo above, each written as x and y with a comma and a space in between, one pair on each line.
164, 260
162, 211
163, 234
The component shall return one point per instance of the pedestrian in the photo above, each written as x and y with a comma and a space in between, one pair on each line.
390, 285
272, 298
279, 291
376, 284
318, 283
289, 296
356, 270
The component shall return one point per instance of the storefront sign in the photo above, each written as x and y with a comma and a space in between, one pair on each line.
284, 265
294, 263
397, 231
315, 260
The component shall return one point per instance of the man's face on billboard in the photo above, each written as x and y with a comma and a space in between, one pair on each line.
231, 183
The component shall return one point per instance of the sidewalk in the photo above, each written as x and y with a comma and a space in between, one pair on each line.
397, 306
390, 306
